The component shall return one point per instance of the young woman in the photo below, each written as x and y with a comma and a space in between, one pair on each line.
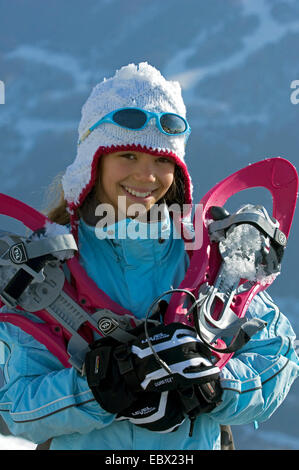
130, 157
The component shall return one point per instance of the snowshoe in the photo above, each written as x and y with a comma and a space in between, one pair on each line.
240, 256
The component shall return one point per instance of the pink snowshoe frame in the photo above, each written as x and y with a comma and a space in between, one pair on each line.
277, 175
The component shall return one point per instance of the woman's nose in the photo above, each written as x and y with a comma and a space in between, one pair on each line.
145, 171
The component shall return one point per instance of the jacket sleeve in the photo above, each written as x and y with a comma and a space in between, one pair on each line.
39, 399
258, 378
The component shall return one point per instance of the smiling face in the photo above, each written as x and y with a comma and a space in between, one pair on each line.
140, 178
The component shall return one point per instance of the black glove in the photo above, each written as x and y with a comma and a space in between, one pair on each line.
199, 399
165, 412
177, 345
117, 372
159, 412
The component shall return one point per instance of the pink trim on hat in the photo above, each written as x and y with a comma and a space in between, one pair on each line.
121, 148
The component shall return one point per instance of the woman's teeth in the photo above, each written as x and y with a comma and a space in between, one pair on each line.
137, 193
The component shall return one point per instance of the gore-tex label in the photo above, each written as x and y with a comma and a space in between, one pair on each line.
164, 381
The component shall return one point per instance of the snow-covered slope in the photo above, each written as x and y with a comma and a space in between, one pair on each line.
15, 443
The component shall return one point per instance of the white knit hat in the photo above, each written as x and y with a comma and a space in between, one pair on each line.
140, 86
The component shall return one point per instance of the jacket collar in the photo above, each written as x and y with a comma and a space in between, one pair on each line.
129, 239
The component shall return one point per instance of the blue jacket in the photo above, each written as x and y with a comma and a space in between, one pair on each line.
40, 399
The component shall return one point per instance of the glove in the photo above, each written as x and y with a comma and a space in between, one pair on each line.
159, 412
177, 345
118, 372
199, 399
165, 412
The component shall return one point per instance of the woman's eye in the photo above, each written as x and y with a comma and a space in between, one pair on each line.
129, 156
164, 160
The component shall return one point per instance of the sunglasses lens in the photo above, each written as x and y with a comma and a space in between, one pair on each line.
130, 118
172, 124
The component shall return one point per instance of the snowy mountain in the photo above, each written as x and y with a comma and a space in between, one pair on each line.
235, 59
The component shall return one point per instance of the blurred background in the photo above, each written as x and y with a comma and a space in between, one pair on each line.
236, 61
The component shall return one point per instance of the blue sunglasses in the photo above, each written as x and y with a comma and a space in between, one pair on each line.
137, 119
